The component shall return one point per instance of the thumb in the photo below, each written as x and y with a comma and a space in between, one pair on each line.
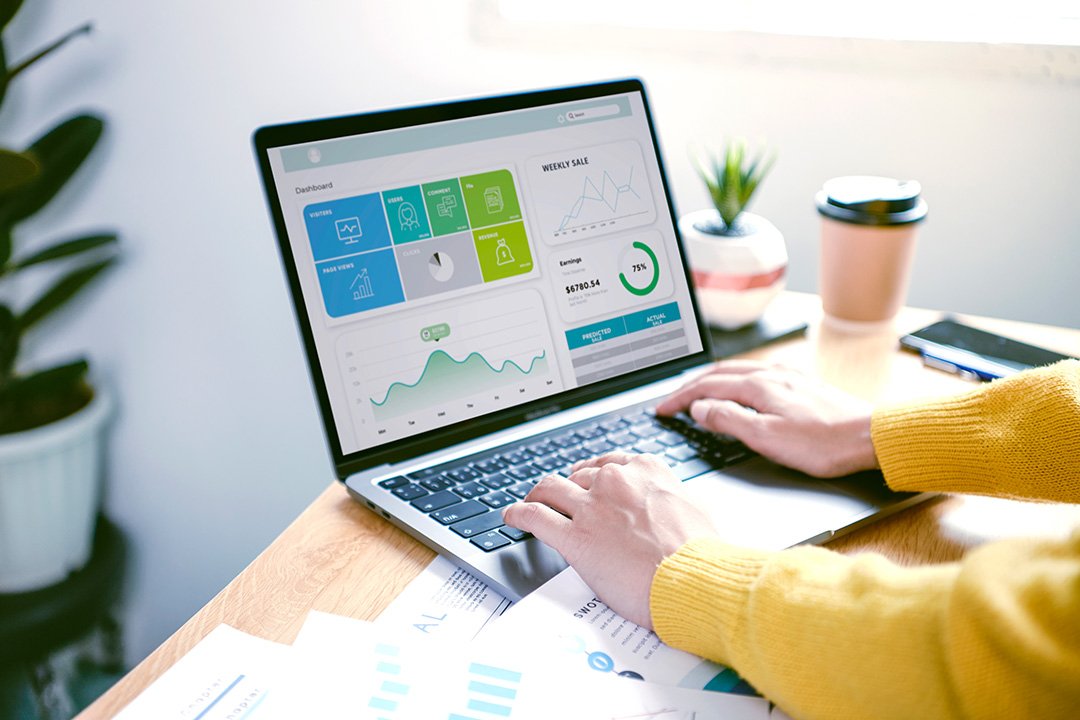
725, 417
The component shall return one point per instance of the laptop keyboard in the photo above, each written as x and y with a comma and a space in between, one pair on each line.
468, 494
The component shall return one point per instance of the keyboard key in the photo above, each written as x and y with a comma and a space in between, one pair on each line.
598, 447
735, 454
391, 483
489, 466
680, 423
513, 533
409, 492
497, 481
682, 453
670, 439
423, 473
645, 430
516, 457
478, 524
522, 472
437, 483
725, 453
451, 465
649, 446
612, 424
567, 440
436, 501
461, 511
544, 447
490, 541
622, 439
700, 437
471, 490
498, 499
590, 433
573, 455
521, 489
463, 474
549, 463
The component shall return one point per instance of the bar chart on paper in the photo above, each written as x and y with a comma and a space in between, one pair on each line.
491, 693
449, 363
350, 668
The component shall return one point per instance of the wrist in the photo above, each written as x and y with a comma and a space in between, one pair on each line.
859, 453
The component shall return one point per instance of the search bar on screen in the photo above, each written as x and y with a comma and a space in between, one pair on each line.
592, 113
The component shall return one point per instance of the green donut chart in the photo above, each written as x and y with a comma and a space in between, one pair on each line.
642, 291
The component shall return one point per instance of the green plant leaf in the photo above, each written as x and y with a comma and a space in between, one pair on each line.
60, 152
747, 176
44, 380
49, 49
8, 8
9, 343
732, 176
3, 71
16, 169
5, 243
730, 205
755, 174
60, 293
44, 397
66, 249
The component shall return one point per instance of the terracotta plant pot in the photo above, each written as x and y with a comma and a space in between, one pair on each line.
736, 275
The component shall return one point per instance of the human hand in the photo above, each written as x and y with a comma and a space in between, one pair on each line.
614, 520
781, 414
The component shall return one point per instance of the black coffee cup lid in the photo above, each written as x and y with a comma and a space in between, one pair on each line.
871, 200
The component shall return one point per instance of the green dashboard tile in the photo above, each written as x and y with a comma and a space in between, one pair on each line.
445, 207
503, 251
491, 198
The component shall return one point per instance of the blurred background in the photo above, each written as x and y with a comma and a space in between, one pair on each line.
217, 445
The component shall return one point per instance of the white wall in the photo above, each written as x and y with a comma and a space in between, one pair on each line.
217, 445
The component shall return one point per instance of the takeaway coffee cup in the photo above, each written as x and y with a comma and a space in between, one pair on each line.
868, 230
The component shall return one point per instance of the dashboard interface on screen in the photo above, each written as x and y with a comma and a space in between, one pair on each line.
454, 269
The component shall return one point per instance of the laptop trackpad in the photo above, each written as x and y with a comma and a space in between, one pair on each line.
763, 505
528, 565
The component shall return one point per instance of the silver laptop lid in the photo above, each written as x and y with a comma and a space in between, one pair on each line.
459, 268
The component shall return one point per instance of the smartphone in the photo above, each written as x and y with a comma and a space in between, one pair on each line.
955, 347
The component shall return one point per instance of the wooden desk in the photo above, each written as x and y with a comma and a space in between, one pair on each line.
338, 557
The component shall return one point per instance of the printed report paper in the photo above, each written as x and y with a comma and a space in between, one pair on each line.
229, 675
446, 602
565, 616
347, 668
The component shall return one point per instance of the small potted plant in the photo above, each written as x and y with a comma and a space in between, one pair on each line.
51, 419
738, 259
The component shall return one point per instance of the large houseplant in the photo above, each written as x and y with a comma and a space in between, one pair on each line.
738, 259
51, 418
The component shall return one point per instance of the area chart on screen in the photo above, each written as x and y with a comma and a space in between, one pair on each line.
447, 364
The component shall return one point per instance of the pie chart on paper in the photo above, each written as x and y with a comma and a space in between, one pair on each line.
441, 266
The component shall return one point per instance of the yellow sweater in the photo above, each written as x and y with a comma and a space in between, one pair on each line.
826, 635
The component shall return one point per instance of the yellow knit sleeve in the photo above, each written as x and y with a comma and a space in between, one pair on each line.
826, 635
1018, 437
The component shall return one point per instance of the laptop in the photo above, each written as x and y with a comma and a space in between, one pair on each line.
491, 289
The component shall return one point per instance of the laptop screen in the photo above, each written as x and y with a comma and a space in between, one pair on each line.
477, 259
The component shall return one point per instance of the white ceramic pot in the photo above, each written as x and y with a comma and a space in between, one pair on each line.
735, 276
50, 492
